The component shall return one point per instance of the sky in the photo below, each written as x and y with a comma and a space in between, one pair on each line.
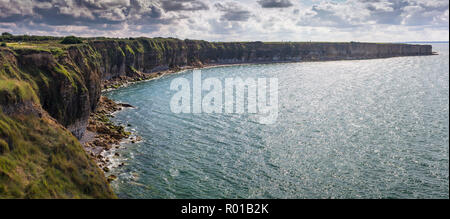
232, 20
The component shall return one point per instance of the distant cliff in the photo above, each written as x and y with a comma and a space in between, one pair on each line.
48, 91
125, 57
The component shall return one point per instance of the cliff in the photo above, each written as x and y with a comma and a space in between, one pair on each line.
126, 57
39, 157
49, 90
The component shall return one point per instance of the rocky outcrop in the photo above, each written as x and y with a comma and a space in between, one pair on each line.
106, 134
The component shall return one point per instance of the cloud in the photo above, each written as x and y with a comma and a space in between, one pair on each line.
232, 11
275, 3
184, 5
329, 14
426, 13
376, 12
93, 13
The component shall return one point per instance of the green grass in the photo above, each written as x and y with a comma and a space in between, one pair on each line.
129, 49
40, 159
7, 71
63, 71
13, 91
48, 46
57, 52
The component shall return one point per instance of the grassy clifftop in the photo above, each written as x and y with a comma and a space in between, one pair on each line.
39, 156
41, 159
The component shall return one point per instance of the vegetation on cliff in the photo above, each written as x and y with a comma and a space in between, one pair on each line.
71, 40
13, 92
39, 157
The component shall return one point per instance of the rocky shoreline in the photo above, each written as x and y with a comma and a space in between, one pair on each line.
122, 81
102, 134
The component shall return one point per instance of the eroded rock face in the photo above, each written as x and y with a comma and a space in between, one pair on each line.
61, 87
22, 108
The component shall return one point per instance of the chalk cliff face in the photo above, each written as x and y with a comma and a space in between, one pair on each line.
46, 95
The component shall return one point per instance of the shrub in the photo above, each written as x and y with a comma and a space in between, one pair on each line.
3, 45
71, 40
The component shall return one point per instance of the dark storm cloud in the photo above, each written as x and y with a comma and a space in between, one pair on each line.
232, 11
184, 5
275, 3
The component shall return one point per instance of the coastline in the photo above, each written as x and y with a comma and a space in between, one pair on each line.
103, 135
123, 81
139, 156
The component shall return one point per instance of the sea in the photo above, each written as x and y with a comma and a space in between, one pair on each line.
358, 129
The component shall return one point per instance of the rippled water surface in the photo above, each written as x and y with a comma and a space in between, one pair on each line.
346, 129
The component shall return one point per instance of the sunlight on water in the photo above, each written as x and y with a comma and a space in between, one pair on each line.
346, 129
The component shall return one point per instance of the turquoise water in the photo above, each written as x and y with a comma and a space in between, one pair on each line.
346, 129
